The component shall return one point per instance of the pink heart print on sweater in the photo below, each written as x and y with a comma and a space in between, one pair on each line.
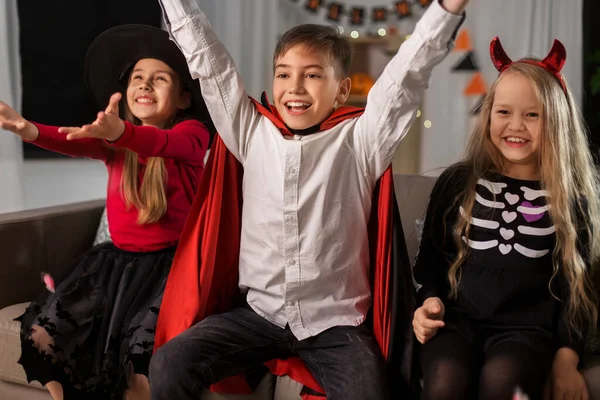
531, 217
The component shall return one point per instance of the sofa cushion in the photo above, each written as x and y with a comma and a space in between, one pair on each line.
15, 391
287, 389
102, 234
10, 345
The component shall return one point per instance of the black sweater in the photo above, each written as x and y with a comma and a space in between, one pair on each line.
506, 274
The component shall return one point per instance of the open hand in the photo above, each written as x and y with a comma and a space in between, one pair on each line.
455, 6
567, 381
428, 319
107, 125
12, 121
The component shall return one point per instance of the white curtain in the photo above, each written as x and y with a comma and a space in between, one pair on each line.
11, 153
526, 28
248, 29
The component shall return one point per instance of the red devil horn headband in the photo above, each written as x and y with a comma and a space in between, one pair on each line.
553, 62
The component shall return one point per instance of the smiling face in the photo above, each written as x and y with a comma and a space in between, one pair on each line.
306, 89
155, 93
515, 124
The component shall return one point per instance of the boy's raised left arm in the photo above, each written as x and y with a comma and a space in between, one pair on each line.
393, 101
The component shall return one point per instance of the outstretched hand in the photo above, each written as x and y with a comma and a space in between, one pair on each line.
107, 125
12, 121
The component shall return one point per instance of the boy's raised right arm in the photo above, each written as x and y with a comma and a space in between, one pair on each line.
222, 88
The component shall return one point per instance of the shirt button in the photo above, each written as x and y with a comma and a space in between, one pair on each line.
293, 170
292, 262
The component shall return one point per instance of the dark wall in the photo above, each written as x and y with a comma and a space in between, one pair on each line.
54, 37
591, 44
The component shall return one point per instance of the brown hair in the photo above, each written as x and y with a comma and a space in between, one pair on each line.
567, 174
151, 198
318, 38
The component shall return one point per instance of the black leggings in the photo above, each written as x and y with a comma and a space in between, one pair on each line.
454, 367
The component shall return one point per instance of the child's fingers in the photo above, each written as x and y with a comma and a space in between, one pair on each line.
424, 320
100, 117
426, 331
424, 326
13, 126
69, 129
429, 323
435, 311
424, 336
113, 104
76, 135
434, 308
419, 333
423, 331
8, 126
84, 132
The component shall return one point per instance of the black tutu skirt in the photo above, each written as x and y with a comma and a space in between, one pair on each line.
102, 319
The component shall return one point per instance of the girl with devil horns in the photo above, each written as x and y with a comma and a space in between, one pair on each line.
93, 337
504, 265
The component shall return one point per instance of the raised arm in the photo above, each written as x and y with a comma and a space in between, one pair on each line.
393, 101
186, 142
209, 62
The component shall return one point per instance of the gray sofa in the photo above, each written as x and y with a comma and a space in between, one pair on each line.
49, 239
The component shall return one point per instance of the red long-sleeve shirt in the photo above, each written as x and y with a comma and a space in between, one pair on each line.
183, 149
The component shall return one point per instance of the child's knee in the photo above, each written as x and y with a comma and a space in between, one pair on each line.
41, 338
445, 380
501, 383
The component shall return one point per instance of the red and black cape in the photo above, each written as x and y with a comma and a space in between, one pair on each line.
204, 275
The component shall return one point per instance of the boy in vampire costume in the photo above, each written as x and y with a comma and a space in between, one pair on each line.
316, 245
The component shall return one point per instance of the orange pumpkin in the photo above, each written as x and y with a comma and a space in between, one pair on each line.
361, 84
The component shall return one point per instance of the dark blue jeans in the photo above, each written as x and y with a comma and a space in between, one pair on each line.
345, 360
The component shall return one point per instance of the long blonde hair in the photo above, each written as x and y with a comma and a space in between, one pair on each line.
567, 174
150, 199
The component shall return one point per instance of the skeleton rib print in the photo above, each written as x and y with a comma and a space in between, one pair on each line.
510, 217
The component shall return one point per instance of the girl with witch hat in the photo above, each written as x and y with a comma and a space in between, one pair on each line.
93, 337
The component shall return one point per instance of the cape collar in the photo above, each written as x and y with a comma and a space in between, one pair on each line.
340, 114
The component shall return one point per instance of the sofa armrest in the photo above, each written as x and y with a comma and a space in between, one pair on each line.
43, 240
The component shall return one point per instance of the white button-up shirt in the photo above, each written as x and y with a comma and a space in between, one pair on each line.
304, 255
